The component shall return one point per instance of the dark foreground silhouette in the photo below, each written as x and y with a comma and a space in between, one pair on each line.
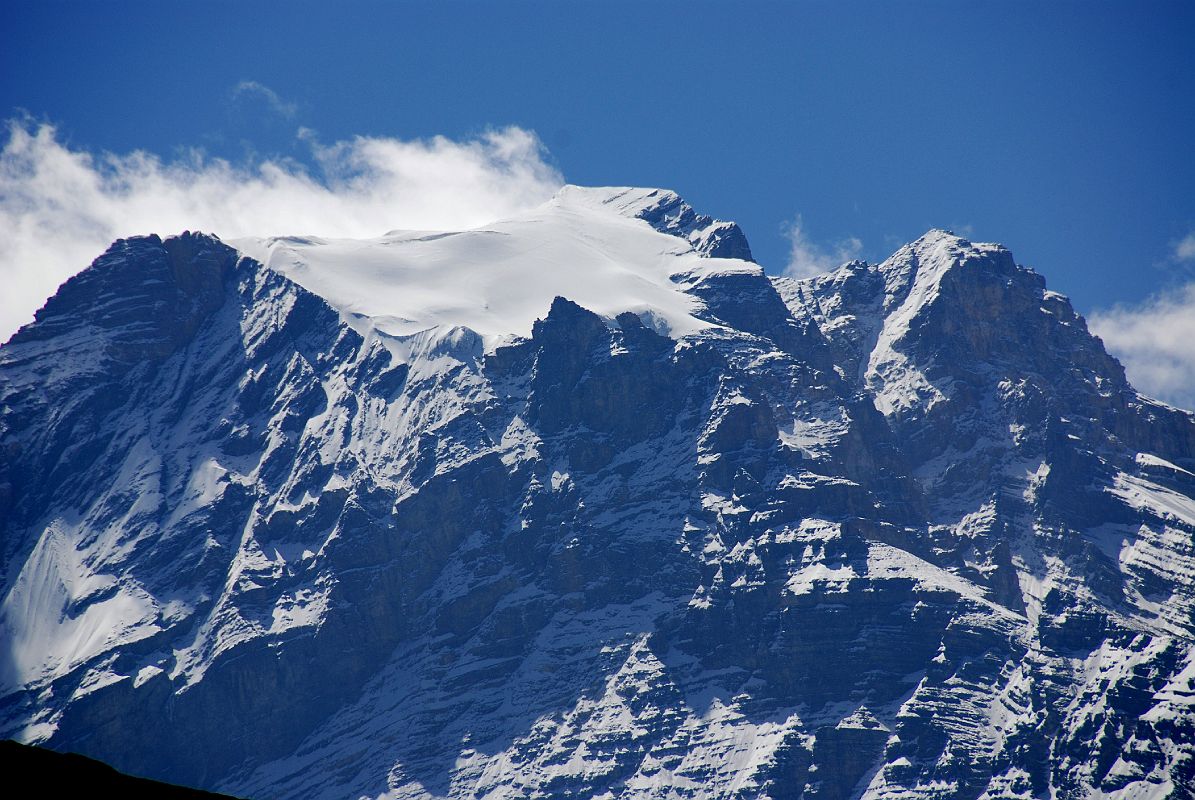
60, 773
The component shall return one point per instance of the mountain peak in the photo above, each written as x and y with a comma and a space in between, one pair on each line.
939, 234
937, 245
629, 201
667, 212
142, 292
917, 268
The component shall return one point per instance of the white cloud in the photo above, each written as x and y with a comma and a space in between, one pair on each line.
1185, 249
60, 208
273, 101
806, 258
1155, 341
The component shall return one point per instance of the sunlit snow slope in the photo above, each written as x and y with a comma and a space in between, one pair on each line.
589, 245
583, 504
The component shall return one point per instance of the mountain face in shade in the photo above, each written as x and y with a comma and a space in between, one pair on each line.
582, 503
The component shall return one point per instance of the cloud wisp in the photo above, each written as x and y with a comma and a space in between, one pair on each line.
1155, 341
1184, 249
61, 207
806, 258
272, 100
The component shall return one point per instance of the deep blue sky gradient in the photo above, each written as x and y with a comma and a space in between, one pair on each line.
1064, 130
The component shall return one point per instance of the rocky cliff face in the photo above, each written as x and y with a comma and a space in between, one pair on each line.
903, 530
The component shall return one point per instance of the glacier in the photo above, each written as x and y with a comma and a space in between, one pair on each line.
584, 503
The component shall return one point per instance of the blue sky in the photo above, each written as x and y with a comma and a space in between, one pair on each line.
1063, 130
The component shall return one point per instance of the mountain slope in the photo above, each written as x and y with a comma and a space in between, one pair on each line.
583, 503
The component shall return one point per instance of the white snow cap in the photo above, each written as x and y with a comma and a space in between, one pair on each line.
585, 244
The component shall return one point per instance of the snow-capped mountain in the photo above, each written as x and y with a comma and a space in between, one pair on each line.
583, 503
